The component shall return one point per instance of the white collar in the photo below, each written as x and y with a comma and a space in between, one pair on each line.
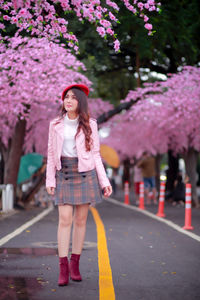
71, 121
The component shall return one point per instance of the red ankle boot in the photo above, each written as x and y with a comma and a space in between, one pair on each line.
74, 267
64, 271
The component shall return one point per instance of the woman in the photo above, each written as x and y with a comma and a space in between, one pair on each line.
178, 193
75, 175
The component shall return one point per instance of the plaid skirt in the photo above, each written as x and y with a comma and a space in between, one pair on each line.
73, 187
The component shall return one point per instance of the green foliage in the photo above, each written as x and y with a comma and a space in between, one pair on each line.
174, 42
30, 27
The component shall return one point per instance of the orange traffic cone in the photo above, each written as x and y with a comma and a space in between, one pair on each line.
141, 196
126, 192
161, 206
188, 210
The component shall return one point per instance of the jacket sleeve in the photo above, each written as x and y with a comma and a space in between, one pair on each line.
50, 169
101, 173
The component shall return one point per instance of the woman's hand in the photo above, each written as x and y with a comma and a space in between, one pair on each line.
107, 191
50, 190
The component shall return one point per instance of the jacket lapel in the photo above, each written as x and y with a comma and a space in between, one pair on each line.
59, 128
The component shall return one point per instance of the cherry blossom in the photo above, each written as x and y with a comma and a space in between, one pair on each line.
166, 117
33, 74
41, 17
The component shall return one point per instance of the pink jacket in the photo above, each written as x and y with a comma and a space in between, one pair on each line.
87, 160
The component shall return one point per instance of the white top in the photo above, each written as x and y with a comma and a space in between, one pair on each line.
70, 129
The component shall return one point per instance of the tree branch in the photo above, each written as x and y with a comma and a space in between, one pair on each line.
109, 114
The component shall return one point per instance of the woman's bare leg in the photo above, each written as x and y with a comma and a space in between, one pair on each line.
79, 227
64, 229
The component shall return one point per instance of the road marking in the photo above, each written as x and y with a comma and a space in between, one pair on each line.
19, 230
151, 215
106, 288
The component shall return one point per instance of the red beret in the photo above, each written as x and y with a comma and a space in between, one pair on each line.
83, 87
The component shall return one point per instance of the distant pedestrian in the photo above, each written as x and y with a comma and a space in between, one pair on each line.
137, 178
75, 175
113, 180
148, 168
179, 191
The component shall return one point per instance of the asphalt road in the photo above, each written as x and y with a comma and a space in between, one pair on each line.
148, 259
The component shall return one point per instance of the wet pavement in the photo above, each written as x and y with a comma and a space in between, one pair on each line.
149, 260
175, 214
29, 261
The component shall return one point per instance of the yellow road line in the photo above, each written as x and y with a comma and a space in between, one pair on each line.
106, 288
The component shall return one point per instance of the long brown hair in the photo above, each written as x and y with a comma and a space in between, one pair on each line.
84, 116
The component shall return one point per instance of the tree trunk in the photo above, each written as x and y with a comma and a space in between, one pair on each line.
138, 67
1, 168
13, 155
171, 173
190, 158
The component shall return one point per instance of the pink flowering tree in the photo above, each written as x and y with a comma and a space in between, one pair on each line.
49, 18
97, 107
33, 74
166, 119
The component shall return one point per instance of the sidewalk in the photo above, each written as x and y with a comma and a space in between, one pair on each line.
175, 214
